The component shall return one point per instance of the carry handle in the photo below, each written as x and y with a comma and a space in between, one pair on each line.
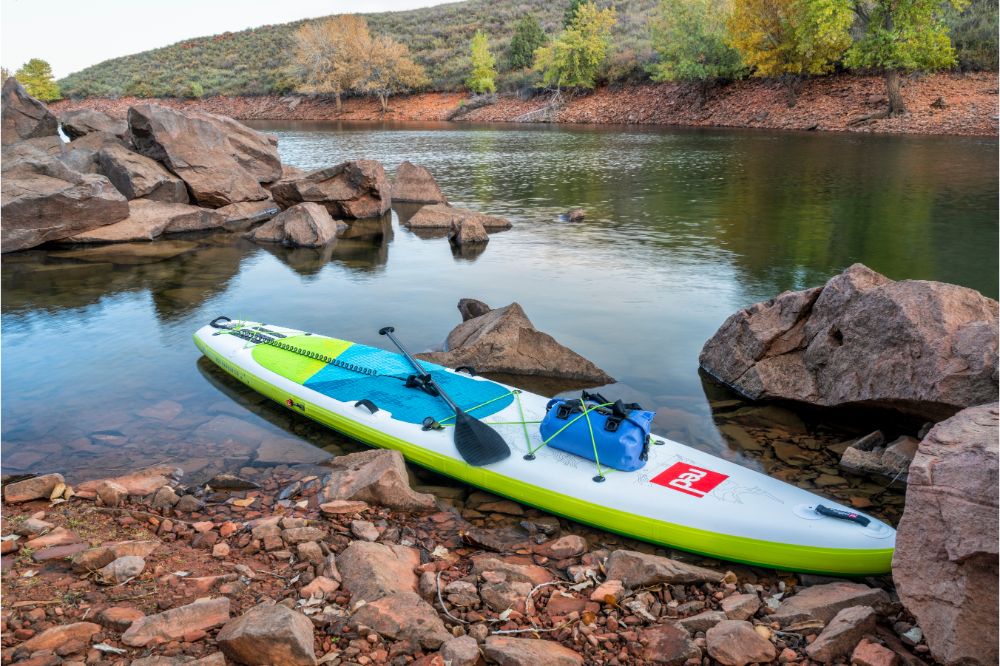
843, 515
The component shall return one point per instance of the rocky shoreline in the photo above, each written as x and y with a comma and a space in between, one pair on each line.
950, 104
345, 562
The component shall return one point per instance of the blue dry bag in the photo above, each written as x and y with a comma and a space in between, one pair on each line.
620, 431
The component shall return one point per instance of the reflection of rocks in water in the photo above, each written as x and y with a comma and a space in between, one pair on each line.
363, 246
431, 233
128, 254
467, 252
547, 386
306, 261
194, 278
404, 211
372, 227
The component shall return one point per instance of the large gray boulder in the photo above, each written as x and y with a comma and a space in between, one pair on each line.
148, 219
44, 200
304, 225
924, 348
137, 176
945, 563
415, 184
23, 116
505, 341
356, 189
80, 122
197, 150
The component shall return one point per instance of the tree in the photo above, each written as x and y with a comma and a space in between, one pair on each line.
570, 14
528, 36
387, 69
691, 40
482, 78
790, 38
4, 74
574, 58
901, 36
36, 77
329, 55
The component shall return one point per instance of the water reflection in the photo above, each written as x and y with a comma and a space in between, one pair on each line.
682, 228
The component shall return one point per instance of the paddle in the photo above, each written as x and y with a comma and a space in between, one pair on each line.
478, 443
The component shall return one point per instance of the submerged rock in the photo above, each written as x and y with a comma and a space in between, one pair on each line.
870, 455
445, 216
356, 189
197, 150
925, 348
302, 225
468, 232
81, 122
504, 340
415, 184
23, 116
945, 563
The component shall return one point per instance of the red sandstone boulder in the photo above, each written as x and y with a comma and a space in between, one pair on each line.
926, 348
945, 564
355, 189
446, 216
302, 225
149, 219
137, 176
415, 184
81, 122
23, 116
378, 477
269, 634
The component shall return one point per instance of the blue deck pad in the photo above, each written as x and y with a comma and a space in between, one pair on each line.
388, 392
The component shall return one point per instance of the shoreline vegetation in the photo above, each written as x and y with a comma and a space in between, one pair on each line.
942, 104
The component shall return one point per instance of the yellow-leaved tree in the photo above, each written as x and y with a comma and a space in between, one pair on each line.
482, 78
36, 77
330, 55
574, 59
388, 69
789, 39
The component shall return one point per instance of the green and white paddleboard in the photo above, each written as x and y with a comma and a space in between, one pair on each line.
682, 498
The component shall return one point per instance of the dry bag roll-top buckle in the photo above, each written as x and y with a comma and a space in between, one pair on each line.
563, 411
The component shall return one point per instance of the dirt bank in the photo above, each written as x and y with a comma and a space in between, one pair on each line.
958, 104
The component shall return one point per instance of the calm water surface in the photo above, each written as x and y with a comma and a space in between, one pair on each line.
682, 229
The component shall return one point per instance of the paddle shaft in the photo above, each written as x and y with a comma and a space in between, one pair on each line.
424, 375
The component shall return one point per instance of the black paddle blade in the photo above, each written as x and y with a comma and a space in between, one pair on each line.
478, 443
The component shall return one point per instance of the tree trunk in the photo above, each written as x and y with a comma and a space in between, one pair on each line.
385, 102
792, 83
336, 96
893, 88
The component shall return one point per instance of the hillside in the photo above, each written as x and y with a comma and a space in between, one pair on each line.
256, 61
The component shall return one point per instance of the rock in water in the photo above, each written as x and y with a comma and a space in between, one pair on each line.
81, 122
378, 477
44, 200
197, 150
24, 117
302, 225
356, 189
148, 219
471, 308
468, 232
445, 216
415, 184
925, 348
945, 564
504, 340
137, 176
269, 634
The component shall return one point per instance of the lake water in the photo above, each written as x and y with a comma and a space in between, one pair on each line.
683, 228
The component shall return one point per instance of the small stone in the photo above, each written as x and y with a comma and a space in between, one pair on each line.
111, 493
173, 624
403, 616
33, 527
822, 602
507, 651
735, 643
300, 534
269, 634
460, 651
60, 536
220, 550
563, 548
668, 643
188, 504
52, 638
609, 589
842, 634
121, 570
364, 530
337, 507
320, 587
39, 487
637, 569
702, 621
575, 215
868, 653
310, 551
740, 606
119, 618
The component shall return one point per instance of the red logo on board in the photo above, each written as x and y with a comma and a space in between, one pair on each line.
689, 479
